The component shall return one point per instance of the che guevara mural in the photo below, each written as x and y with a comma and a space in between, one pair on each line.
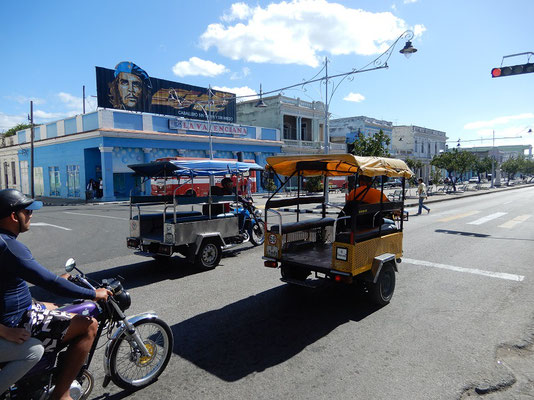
129, 87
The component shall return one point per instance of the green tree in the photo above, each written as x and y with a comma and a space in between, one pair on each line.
415, 166
446, 161
314, 184
511, 167
372, 146
465, 161
19, 127
482, 165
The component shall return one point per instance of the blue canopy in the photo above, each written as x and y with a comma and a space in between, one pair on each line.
161, 169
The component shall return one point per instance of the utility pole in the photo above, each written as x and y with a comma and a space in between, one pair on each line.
31, 148
83, 91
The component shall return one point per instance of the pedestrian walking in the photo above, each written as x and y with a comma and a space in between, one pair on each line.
421, 193
100, 188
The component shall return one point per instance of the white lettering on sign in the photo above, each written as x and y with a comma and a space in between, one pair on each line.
203, 127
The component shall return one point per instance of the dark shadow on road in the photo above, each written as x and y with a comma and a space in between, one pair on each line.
479, 235
135, 275
116, 396
264, 330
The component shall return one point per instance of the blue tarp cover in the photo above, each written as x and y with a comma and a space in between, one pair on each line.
160, 169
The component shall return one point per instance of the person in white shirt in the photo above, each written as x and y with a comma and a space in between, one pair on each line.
421, 193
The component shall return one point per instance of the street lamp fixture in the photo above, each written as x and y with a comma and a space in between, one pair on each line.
408, 49
261, 103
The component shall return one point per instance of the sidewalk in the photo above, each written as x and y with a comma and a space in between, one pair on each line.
334, 198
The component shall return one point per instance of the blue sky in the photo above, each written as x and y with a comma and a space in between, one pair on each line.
50, 49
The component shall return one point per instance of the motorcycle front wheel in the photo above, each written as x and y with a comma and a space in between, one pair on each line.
257, 233
129, 369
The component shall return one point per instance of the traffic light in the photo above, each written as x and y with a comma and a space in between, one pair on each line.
512, 70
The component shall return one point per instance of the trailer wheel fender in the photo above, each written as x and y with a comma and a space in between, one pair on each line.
378, 263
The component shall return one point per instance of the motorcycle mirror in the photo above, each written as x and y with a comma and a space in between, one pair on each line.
70, 264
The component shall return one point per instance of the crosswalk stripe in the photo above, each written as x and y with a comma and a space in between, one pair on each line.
487, 218
491, 274
467, 214
513, 222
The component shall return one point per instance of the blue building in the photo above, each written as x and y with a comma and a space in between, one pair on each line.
101, 145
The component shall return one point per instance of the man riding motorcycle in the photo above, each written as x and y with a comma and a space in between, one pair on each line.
17, 309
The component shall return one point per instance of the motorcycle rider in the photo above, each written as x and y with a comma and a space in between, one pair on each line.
17, 309
20, 352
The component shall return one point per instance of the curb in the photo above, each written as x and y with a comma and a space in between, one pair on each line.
462, 196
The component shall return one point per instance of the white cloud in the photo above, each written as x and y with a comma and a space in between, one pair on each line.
239, 91
297, 31
26, 100
355, 97
197, 66
498, 121
9, 121
238, 11
409, 1
245, 71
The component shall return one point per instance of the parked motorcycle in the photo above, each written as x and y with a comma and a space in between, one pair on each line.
137, 351
251, 225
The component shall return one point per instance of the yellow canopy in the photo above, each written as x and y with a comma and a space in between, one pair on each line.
338, 165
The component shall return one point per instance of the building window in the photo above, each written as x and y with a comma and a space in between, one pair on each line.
6, 176
73, 180
55, 183
415, 146
422, 147
14, 172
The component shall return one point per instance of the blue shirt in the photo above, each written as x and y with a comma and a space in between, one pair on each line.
17, 266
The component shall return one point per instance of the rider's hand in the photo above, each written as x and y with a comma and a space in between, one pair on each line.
66, 276
16, 335
102, 294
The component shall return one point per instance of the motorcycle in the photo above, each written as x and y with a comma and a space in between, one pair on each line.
138, 348
251, 225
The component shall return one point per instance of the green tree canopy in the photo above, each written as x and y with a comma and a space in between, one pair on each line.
19, 127
371, 146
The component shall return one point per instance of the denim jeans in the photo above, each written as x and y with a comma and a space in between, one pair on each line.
21, 358
421, 205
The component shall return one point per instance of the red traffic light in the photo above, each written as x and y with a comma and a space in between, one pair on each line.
512, 70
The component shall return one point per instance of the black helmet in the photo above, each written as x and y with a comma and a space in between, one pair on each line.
13, 200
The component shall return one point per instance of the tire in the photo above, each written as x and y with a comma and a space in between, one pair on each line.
289, 272
257, 233
87, 382
131, 371
209, 255
381, 292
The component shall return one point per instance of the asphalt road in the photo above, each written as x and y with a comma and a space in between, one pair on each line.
460, 322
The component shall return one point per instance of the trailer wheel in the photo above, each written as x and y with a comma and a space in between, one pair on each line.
209, 254
381, 292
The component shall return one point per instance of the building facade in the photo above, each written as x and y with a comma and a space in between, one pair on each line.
418, 143
300, 122
345, 130
101, 145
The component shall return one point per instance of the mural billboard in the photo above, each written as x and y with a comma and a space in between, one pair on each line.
128, 87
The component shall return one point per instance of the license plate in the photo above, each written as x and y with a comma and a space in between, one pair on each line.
272, 251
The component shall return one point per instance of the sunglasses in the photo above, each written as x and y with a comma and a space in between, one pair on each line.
27, 212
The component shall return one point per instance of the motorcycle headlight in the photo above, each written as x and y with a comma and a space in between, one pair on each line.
123, 299
258, 213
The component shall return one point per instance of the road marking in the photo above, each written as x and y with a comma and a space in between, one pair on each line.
467, 214
95, 215
500, 275
515, 221
54, 226
487, 218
